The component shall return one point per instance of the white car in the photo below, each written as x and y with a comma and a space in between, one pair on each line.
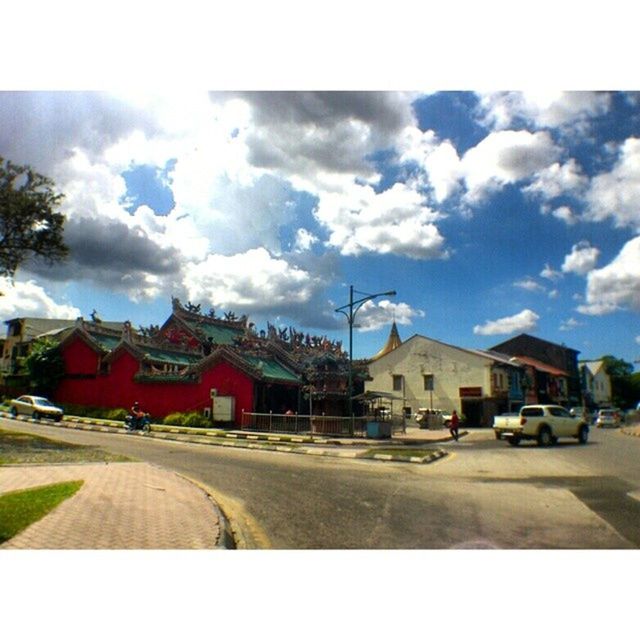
608, 418
36, 407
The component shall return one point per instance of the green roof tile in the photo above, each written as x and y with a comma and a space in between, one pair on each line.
218, 334
272, 369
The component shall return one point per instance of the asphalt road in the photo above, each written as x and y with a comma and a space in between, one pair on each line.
486, 494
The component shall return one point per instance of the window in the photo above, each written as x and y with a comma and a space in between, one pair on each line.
397, 383
428, 382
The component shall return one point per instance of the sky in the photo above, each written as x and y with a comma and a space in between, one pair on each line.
489, 213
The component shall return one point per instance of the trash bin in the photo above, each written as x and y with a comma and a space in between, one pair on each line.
378, 430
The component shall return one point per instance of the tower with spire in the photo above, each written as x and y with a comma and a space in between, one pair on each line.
393, 342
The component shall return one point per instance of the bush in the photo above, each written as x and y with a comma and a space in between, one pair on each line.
116, 414
196, 420
176, 419
191, 419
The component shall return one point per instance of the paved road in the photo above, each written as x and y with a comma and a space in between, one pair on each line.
486, 494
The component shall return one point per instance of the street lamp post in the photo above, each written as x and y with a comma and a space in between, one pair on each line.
353, 306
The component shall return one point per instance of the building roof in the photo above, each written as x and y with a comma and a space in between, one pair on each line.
542, 366
271, 369
594, 366
501, 358
393, 342
216, 332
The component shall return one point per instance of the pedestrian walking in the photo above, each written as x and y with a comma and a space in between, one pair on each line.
453, 425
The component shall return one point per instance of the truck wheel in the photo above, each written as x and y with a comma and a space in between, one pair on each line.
583, 434
545, 437
498, 435
514, 441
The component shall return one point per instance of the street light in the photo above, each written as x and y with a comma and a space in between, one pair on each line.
353, 306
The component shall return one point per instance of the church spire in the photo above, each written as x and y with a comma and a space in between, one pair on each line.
393, 342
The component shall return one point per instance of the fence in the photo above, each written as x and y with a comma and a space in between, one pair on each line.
354, 426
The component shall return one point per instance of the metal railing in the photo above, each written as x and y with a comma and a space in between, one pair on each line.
354, 426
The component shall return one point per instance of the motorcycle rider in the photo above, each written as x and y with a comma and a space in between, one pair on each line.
137, 415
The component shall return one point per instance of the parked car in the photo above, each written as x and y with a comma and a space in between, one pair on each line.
544, 423
432, 418
36, 407
608, 418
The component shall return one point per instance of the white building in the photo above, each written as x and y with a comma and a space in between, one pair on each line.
596, 383
431, 374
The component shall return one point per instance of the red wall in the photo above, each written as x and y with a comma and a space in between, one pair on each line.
119, 389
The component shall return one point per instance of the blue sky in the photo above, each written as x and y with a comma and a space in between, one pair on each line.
490, 213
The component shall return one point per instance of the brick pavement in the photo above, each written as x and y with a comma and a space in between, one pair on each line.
125, 505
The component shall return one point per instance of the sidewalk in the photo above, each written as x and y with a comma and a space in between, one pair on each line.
120, 506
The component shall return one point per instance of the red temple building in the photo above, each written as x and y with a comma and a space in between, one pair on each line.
192, 357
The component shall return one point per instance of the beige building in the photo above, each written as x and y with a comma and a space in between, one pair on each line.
434, 375
596, 383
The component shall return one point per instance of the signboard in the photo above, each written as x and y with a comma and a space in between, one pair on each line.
471, 392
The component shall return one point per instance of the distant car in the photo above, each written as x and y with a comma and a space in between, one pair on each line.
581, 412
36, 407
608, 418
432, 418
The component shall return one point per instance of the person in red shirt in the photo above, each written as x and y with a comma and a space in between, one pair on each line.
454, 424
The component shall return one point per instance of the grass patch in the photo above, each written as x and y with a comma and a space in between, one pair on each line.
25, 448
400, 452
19, 509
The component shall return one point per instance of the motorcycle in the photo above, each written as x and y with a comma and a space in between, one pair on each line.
138, 424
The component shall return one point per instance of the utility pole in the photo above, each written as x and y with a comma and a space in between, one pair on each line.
353, 306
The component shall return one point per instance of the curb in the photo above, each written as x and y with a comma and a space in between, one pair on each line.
242, 441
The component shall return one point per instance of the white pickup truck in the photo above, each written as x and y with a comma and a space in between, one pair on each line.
542, 422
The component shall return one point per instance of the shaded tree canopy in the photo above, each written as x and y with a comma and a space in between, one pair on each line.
45, 365
29, 222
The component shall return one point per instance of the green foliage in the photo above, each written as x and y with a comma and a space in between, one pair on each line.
45, 365
176, 419
29, 224
196, 420
192, 419
116, 414
625, 384
19, 509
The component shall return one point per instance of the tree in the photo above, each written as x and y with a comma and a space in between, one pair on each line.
45, 365
29, 223
623, 382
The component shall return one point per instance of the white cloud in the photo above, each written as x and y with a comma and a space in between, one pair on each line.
372, 316
304, 240
582, 259
526, 320
565, 214
394, 221
249, 281
570, 324
542, 108
638, 339
505, 157
558, 179
617, 285
550, 274
440, 160
529, 284
20, 299
554, 294
616, 194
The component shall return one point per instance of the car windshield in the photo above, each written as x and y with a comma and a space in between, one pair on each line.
42, 401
